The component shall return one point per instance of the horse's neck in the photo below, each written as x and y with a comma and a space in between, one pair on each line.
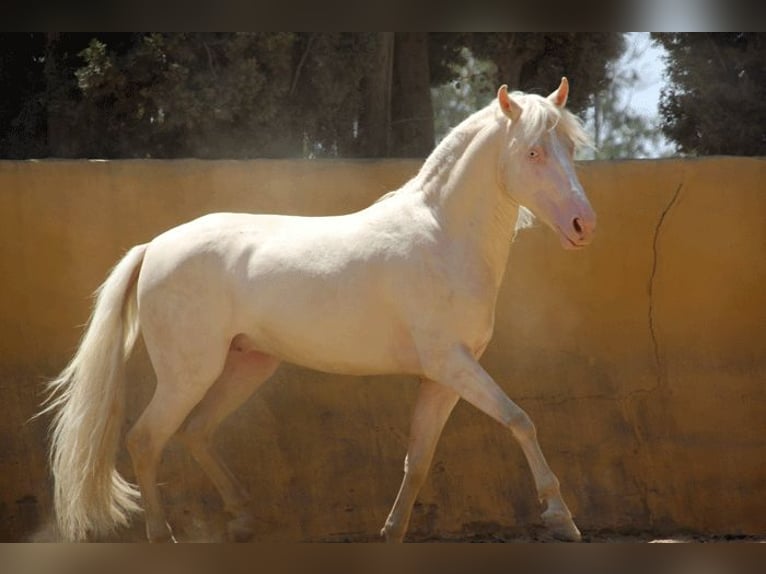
468, 202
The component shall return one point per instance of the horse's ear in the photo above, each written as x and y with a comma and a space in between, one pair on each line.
507, 104
559, 97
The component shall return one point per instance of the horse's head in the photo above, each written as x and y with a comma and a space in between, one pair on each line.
537, 163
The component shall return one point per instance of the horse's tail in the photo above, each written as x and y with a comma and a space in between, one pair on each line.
88, 399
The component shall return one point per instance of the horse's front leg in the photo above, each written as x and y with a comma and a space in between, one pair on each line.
462, 372
432, 409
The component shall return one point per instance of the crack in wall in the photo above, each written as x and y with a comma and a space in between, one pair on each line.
645, 452
650, 287
623, 398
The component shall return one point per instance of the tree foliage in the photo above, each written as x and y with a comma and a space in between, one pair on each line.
715, 101
536, 62
261, 94
223, 95
472, 66
618, 131
472, 85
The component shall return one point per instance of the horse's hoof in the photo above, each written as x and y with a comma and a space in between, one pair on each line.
240, 529
561, 527
161, 535
389, 535
165, 539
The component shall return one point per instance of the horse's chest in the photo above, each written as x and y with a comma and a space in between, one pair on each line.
455, 303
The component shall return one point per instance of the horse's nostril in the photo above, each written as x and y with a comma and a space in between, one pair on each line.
577, 225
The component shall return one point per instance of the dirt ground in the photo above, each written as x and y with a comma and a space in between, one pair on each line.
215, 533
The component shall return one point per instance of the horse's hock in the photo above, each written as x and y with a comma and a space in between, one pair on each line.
641, 359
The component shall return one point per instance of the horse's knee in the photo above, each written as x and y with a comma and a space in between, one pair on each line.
522, 426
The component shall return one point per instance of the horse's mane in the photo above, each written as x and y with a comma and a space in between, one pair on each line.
538, 116
449, 149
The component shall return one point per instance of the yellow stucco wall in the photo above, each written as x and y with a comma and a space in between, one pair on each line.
641, 359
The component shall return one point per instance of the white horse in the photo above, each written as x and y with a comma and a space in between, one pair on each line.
407, 286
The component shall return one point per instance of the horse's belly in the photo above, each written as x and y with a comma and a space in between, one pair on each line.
339, 345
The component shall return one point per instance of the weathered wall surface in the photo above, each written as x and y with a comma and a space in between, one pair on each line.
641, 359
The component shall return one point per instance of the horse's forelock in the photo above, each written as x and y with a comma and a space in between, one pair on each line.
540, 115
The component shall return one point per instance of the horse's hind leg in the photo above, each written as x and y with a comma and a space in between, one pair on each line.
181, 384
432, 409
245, 370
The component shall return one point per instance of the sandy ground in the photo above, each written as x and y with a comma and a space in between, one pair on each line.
215, 533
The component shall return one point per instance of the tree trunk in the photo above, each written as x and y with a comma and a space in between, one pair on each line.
56, 127
509, 63
412, 117
375, 116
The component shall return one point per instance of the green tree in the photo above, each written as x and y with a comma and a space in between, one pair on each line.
37, 100
401, 114
222, 95
473, 85
472, 67
260, 94
536, 62
22, 100
715, 100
